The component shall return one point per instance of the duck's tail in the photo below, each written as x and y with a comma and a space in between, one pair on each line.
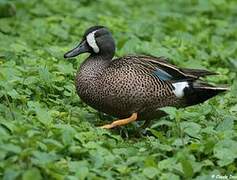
198, 92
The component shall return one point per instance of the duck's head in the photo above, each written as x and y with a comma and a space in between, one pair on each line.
97, 40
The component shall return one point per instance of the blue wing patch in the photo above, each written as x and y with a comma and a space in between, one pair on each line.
162, 75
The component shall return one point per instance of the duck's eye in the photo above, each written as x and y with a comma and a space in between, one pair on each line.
100, 32
90, 38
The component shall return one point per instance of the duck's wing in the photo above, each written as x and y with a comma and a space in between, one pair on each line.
166, 71
181, 82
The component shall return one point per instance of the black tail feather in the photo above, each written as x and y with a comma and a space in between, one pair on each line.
200, 92
198, 72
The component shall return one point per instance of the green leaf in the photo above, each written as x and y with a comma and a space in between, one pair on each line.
68, 135
171, 111
10, 174
32, 174
80, 168
170, 176
45, 75
43, 115
11, 148
226, 124
150, 172
14, 94
43, 158
191, 128
65, 68
187, 168
233, 108
225, 151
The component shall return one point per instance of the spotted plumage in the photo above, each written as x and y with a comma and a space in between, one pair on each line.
134, 84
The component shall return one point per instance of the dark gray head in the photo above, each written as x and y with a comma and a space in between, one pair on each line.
97, 40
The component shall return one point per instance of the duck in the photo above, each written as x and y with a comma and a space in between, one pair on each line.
134, 87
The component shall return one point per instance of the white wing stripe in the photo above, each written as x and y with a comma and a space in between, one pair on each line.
179, 88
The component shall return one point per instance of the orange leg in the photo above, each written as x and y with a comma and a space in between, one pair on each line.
121, 122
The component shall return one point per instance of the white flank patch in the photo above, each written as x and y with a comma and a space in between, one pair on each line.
90, 38
179, 88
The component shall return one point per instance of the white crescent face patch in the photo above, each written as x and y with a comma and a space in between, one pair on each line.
90, 38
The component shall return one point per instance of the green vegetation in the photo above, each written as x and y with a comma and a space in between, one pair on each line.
46, 132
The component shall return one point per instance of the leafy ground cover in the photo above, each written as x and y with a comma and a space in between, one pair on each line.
46, 132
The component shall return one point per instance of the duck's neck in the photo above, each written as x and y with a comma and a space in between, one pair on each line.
93, 66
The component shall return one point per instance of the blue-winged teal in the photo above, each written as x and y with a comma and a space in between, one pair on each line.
134, 87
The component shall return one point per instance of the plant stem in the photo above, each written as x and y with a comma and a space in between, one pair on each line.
10, 106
